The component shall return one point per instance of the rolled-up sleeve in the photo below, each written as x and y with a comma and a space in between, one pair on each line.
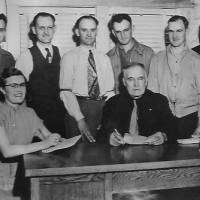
66, 86
109, 79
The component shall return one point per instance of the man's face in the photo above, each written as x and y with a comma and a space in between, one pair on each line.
122, 31
177, 33
135, 81
44, 29
14, 90
87, 32
2, 31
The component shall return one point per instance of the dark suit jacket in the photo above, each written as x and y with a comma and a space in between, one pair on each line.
154, 115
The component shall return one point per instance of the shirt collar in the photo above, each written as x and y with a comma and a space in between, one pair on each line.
11, 108
86, 49
42, 49
185, 50
136, 46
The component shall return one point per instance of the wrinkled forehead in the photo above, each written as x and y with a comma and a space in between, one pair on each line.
87, 24
44, 21
120, 26
134, 72
176, 25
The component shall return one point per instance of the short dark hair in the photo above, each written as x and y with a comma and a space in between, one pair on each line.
76, 38
118, 18
179, 17
42, 14
8, 72
4, 18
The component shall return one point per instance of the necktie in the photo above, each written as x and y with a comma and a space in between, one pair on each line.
93, 86
133, 129
48, 56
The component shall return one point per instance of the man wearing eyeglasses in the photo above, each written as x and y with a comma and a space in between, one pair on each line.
41, 66
6, 58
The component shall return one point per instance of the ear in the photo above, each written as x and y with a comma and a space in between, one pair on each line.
2, 90
113, 32
77, 32
124, 83
133, 28
54, 28
33, 29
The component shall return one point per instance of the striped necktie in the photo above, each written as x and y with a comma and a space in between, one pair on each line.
133, 129
93, 86
48, 56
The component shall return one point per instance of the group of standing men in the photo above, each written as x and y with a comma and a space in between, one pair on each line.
73, 91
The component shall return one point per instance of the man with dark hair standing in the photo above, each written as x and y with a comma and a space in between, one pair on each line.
86, 80
175, 73
6, 58
41, 66
127, 49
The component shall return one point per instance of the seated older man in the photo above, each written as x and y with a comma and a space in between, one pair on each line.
137, 115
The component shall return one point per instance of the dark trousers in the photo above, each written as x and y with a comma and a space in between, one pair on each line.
185, 126
92, 111
53, 114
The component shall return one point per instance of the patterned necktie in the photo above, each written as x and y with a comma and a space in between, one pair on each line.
93, 86
48, 56
133, 129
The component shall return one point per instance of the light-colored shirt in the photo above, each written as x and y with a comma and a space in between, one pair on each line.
74, 77
25, 61
177, 78
20, 124
119, 58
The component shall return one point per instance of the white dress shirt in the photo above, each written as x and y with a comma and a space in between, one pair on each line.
74, 77
25, 61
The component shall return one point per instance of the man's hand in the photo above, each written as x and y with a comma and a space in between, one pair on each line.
156, 139
116, 139
84, 130
52, 140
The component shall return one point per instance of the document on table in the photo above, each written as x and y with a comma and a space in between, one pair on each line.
191, 140
134, 139
65, 143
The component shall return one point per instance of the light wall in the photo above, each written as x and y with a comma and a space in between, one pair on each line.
185, 7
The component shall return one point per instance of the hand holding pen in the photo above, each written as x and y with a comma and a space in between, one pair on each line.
116, 138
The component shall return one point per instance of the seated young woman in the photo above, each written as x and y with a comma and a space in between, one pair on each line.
18, 123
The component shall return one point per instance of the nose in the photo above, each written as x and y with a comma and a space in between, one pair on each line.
89, 33
46, 31
123, 34
135, 83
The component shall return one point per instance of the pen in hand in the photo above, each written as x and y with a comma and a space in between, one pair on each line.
118, 137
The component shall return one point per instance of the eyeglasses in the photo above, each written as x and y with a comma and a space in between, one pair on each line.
2, 29
16, 85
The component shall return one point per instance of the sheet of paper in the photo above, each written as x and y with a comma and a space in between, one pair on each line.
66, 143
189, 141
134, 139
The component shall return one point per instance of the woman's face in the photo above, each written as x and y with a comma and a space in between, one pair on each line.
14, 89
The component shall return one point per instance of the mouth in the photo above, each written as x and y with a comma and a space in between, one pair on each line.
18, 95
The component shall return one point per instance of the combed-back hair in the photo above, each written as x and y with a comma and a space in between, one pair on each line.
179, 17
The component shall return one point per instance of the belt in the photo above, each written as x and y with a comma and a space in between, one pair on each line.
92, 98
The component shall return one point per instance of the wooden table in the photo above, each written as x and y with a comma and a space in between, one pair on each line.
96, 171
